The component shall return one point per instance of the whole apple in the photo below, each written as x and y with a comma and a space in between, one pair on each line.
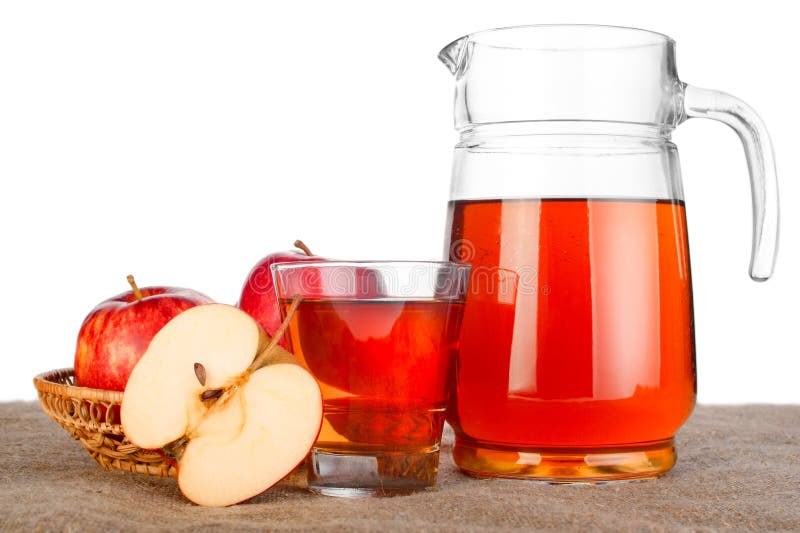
116, 333
258, 297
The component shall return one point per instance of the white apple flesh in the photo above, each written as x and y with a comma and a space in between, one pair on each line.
257, 426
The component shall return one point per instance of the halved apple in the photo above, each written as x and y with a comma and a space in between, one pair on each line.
236, 410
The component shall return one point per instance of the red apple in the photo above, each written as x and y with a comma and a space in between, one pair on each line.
237, 411
115, 335
383, 350
258, 297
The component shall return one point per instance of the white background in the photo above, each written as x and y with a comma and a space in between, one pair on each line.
182, 141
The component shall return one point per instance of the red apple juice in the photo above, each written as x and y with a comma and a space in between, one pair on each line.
384, 367
577, 329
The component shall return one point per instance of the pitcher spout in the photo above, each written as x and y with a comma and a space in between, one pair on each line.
453, 54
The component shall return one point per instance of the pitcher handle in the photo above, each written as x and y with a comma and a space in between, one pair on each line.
707, 103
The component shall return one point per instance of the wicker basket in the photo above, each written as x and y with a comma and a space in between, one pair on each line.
92, 417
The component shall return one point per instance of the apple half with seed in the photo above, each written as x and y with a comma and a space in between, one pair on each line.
235, 410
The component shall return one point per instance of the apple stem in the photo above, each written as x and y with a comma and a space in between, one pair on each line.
221, 396
175, 449
136, 292
261, 358
300, 244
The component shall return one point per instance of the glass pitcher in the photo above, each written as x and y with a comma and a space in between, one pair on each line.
576, 355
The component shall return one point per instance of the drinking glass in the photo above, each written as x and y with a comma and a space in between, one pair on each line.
381, 340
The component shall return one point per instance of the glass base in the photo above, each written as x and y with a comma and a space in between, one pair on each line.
553, 465
371, 474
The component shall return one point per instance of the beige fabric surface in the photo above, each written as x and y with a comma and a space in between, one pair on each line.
738, 468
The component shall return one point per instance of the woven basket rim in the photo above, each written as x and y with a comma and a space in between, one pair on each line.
52, 382
91, 416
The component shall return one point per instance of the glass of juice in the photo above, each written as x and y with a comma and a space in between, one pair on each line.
381, 340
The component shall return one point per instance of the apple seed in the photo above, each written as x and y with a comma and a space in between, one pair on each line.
200, 372
211, 394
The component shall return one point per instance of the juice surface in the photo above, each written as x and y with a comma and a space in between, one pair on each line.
578, 328
384, 368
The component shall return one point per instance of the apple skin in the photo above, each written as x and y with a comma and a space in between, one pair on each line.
116, 333
259, 299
